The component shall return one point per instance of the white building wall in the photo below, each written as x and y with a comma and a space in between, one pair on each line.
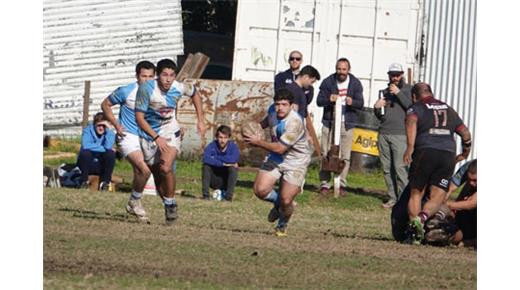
370, 33
100, 41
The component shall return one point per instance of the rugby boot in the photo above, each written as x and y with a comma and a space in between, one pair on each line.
170, 213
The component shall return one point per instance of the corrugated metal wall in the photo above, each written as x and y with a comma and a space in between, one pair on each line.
100, 41
450, 63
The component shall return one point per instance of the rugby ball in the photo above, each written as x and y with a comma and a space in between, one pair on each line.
252, 128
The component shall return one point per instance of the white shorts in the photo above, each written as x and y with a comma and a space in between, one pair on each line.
294, 175
152, 154
128, 144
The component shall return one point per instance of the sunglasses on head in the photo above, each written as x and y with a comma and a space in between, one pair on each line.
295, 58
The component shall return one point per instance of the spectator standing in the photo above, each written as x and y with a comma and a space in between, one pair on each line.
391, 142
282, 79
344, 87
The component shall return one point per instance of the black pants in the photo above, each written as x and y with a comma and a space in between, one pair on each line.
224, 178
96, 163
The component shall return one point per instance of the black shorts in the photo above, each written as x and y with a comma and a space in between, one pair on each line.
467, 223
431, 167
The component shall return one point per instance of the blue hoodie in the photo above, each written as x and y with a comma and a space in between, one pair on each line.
91, 141
214, 157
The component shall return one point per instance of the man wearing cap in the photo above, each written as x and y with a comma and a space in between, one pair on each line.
282, 79
391, 112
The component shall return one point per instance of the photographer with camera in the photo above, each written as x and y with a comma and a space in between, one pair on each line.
96, 155
390, 109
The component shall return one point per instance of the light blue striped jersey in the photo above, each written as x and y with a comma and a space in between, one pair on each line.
159, 107
290, 131
125, 97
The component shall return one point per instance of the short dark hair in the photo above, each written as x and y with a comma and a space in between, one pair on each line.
226, 130
472, 167
310, 71
164, 64
420, 89
344, 59
144, 65
284, 94
98, 117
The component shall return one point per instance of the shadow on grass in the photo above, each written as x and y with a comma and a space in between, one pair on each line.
86, 214
233, 230
379, 194
356, 236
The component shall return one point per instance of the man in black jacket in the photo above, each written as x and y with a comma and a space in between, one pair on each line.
282, 79
344, 87
391, 112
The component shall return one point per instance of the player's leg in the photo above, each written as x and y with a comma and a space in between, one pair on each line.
437, 196
420, 170
288, 193
443, 164
141, 175
168, 184
265, 180
263, 187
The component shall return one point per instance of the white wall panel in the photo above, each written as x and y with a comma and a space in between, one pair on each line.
100, 41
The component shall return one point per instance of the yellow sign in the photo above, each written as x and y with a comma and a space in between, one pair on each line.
365, 141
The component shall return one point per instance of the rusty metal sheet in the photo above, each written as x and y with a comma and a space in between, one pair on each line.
231, 103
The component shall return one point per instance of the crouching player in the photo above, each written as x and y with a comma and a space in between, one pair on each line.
287, 161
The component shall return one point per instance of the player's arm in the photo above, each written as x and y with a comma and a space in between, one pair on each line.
276, 147
197, 103
142, 102
467, 204
106, 107
465, 135
411, 133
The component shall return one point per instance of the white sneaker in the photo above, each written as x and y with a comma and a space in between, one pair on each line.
135, 207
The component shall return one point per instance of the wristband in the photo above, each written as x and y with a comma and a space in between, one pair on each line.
155, 138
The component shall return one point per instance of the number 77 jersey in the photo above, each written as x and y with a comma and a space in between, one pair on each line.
436, 123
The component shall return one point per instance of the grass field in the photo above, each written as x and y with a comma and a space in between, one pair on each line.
90, 242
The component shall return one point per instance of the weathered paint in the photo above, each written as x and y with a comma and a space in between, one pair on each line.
230, 103
372, 34
100, 41
450, 64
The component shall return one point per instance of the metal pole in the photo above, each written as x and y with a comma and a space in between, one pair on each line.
86, 101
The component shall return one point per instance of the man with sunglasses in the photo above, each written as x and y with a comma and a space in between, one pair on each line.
391, 112
281, 80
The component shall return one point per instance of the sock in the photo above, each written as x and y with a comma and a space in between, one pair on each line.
169, 201
423, 216
136, 195
440, 214
281, 221
273, 197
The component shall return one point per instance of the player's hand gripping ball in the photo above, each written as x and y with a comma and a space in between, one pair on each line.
252, 129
